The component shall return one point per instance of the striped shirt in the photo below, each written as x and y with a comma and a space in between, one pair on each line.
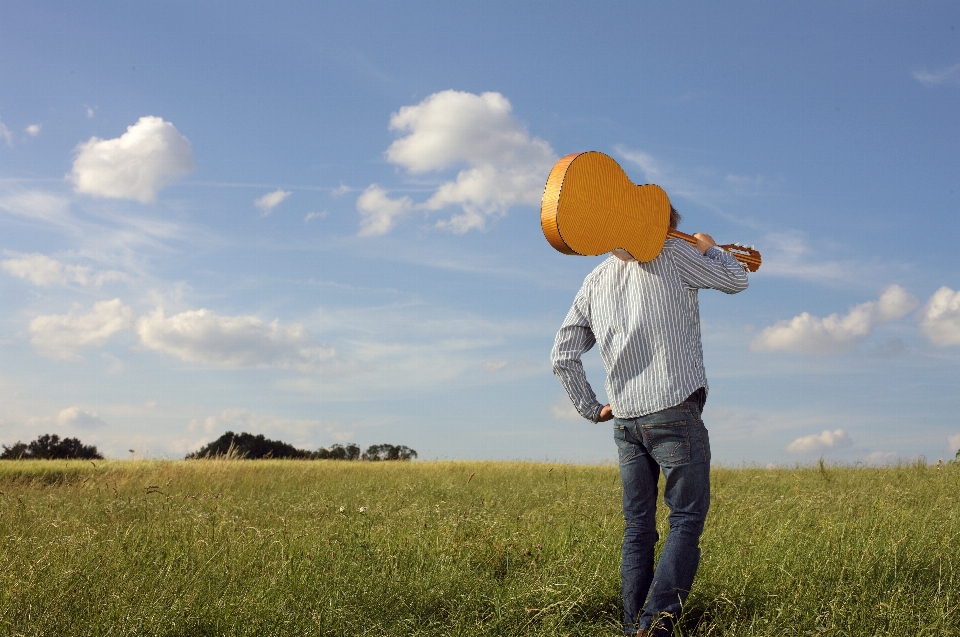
646, 318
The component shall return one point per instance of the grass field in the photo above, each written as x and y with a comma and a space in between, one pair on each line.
459, 548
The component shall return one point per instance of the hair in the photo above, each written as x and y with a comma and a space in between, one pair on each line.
675, 217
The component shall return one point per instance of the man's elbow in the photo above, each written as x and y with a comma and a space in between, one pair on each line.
738, 284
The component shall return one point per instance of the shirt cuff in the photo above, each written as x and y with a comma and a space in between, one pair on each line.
595, 417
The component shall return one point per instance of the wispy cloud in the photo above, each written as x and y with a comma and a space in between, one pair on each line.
707, 187
882, 457
503, 165
6, 134
809, 334
947, 75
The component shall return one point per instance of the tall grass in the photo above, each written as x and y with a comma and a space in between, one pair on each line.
459, 548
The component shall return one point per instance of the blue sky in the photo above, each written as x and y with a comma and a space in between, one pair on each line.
319, 221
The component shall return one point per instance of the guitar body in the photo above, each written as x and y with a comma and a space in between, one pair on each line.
591, 207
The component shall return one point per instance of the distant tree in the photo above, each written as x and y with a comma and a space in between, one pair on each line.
389, 452
337, 452
50, 447
244, 445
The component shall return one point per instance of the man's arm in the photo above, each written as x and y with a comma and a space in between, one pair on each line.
573, 340
708, 266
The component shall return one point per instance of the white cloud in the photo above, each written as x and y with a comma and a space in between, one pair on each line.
200, 336
150, 155
314, 215
502, 165
563, 409
271, 200
493, 366
299, 432
6, 134
820, 442
41, 270
91, 112
954, 442
61, 336
941, 318
948, 75
33, 130
882, 457
378, 212
76, 417
812, 335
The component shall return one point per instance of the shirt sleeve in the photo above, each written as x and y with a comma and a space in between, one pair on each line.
573, 340
716, 270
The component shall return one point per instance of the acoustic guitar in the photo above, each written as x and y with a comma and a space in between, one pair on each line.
590, 207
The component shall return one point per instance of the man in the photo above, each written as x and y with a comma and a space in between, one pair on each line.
646, 318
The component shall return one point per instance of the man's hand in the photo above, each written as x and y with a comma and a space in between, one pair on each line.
605, 414
704, 242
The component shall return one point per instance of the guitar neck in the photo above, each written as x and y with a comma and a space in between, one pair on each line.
749, 258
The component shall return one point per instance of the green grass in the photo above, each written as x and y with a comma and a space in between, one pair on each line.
458, 548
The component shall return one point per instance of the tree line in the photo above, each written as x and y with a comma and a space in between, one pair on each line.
229, 445
251, 447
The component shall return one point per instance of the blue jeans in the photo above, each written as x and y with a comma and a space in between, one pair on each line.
675, 441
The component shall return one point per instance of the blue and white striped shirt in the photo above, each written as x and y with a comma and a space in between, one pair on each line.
646, 318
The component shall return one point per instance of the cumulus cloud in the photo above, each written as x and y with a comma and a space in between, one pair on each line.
200, 336
76, 417
820, 442
501, 164
150, 155
948, 75
33, 130
941, 318
63, 335
271, 200
41, 270
810, 334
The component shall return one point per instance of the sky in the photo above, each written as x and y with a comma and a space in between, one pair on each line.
319, 221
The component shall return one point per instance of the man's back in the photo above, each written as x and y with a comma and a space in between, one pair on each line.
645, 317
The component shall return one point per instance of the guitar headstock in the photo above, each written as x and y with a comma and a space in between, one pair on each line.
748, 257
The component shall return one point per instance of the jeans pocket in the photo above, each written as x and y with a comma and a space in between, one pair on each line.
625, 450
669, 442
